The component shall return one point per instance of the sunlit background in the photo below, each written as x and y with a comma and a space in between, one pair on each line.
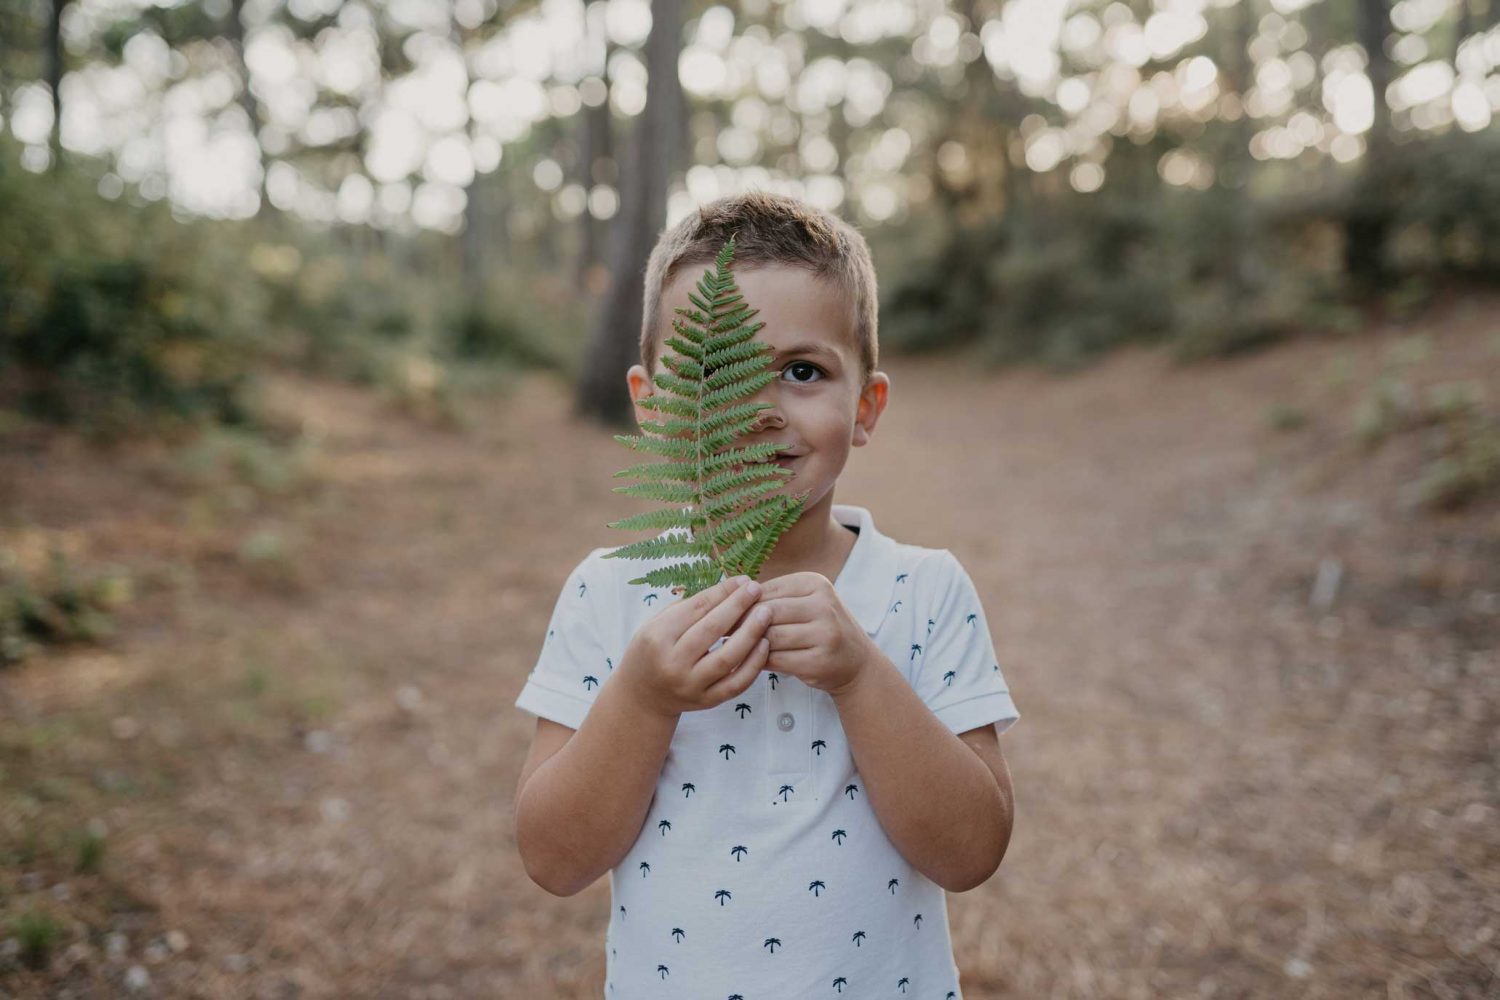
314, 318
390, 114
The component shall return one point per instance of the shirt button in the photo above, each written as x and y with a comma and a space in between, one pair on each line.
785, 722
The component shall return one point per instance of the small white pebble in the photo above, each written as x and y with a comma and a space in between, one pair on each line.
1475, 812
61, 892
125, 728
137, 978
177, 941
236, 963
319, 741
10, 948
116, 944
409, 698
156, 952
335, 810
1298, 969
98, 828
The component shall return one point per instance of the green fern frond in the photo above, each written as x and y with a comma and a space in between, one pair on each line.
723, 495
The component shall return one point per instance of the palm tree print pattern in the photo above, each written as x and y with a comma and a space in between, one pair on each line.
737, 757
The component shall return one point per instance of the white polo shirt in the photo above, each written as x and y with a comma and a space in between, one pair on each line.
761, 871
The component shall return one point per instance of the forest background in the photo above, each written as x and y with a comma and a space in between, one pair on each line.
248, 247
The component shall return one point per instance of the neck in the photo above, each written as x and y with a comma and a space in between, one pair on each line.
816, 542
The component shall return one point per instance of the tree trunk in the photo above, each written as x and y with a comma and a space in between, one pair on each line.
1369, 218
54, 77
601, 392
235, 32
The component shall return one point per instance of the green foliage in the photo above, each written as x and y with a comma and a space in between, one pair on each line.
38, 933
60, 605
114, 317
1442, 193
1067, 276
731, 522
90, 848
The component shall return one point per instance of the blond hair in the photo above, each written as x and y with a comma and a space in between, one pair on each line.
768, 229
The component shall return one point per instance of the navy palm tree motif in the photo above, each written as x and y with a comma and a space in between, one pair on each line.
742, 708
891, 885
688, 788
948, 678
739, 851
726, 749
782, 791
771, 943
645, 867
930, 623
678, 932
895, 607
969, 618
849, 790
918, 921
900, 577
774, 679
902, 983
590, 682
722, 895
815, 886
551, 633
818, 746
915, 649
664, 826
622, 913
858, 937
840, 983
609, 663
839, 835
736, 996
649, 598
950, 995
582, 588
663, 970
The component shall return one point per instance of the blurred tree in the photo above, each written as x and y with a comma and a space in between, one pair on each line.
614, 343
596, 158
1369, 218
54, 77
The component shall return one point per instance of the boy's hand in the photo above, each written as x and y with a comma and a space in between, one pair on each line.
668, 666
813, 636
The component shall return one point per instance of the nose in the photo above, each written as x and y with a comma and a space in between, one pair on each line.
767, 418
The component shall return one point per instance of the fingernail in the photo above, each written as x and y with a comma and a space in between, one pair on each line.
740, 581
752, 588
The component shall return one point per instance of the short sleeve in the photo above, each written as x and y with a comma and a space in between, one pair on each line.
958, 675
573, 663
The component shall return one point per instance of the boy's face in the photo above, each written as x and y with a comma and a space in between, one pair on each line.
819, 408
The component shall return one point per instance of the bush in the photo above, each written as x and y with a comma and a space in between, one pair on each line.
112, 316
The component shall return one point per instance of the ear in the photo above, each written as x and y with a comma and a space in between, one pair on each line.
641, 386
872, 400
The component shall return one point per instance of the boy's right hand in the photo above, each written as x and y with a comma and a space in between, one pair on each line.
668, 666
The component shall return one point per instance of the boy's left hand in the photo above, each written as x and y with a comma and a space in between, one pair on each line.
814, 638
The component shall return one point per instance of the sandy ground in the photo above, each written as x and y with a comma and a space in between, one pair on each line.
1222, 790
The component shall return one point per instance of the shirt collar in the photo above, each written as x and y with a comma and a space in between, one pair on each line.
867, 582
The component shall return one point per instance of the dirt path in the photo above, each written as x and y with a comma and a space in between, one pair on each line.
1221, 791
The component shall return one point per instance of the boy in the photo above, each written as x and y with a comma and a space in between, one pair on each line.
781, 776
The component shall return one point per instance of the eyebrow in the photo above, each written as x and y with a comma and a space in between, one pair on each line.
815, 349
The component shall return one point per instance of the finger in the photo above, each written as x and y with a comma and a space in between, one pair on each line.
716, 623
788, 637
740, 679
715, 665
681, 616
